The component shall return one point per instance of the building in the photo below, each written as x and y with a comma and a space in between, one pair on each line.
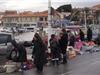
96, 12
1, 15
27, 18
19, 19
7, 12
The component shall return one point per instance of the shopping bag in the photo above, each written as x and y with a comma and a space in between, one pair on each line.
2, 69
10, 66
27, 65
24, 66
71, 53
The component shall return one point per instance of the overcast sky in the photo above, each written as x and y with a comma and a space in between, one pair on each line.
40, 5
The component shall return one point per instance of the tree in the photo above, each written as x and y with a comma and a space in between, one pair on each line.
52, 11
65, 8
97, 15
86, 9
75, 16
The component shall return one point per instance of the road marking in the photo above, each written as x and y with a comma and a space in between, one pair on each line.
67, 73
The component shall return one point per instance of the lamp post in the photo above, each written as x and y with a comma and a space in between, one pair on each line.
49, 21
85, 20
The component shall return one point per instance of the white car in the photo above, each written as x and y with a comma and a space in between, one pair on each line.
6, 29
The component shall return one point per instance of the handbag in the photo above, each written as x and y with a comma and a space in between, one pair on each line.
27, 65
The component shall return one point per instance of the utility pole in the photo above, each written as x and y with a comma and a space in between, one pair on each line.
93, 17
49, 21
85, 20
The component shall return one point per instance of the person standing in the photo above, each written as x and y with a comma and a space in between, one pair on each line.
55, 51
38, 53
18, 53
89, 34
71, 40
19, 49
81, 33
97, 40
63, 42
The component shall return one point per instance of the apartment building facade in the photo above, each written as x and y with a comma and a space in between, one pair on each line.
39, 19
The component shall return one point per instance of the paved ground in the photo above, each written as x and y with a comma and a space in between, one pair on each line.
87, 64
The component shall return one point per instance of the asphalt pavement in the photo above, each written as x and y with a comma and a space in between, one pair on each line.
86, 64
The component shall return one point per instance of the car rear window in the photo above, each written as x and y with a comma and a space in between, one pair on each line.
4, 38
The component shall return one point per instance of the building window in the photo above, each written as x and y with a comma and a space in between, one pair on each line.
41, 18
16, 19
5, 19
30, 19
25, 19
33, 24
45, 18
26, 25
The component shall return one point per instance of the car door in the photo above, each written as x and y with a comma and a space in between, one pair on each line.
5, 44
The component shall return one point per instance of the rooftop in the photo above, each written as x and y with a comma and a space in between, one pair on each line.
96, 7
30, 14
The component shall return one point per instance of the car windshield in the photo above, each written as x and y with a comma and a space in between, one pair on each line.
4, 38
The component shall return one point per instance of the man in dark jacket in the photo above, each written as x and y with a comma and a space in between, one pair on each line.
18, 54
63, 42
22, 53
89, 34
55, 51
81, 33
97, 40
72, 40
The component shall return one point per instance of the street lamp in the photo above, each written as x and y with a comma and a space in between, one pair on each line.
85, 19
49, 21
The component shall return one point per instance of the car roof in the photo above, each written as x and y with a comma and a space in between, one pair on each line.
5, 33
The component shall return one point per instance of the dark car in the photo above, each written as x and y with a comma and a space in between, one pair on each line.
5, 43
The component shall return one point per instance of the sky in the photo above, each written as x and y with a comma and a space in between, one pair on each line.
40, 5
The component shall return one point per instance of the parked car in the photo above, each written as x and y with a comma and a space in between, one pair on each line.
6, 46
29, 29
6, 29
5, 43
21, 30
